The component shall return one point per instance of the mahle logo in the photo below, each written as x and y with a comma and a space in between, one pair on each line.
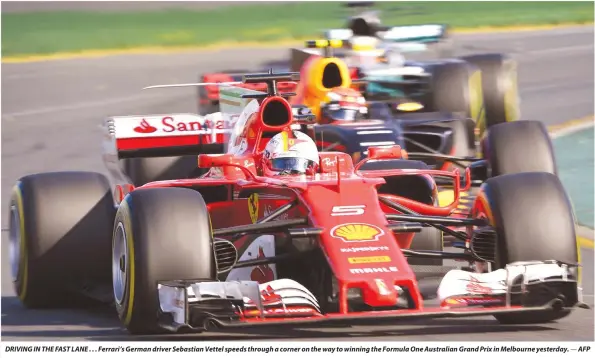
389, 269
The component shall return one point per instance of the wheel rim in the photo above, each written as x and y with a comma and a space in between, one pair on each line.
119, 263
15, 238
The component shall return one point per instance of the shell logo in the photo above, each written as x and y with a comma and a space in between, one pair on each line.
356, 232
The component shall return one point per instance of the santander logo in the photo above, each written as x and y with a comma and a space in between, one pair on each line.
178, 125
145, 127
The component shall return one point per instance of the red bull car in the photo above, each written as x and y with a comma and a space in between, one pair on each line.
241, 247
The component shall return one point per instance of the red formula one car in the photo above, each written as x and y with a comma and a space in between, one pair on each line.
242, 246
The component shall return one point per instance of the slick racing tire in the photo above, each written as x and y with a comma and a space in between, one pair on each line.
533, 220
428, 239
517, 147
146, 170
416, 188
159, 234
499, 86
456, 88
59, 229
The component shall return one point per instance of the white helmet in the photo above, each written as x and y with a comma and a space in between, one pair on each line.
291, 153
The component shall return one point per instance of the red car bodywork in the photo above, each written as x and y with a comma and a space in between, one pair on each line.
342, 202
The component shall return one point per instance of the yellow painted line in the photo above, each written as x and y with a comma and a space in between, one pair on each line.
572, 123
152, 50
519, 28
585, 243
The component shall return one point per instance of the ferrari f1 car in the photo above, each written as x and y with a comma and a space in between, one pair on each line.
237, 247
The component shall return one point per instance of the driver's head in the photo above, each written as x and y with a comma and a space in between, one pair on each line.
342, 104
291, 153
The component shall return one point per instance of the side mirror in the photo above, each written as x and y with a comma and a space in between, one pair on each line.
245, 164
479, 172
388, 152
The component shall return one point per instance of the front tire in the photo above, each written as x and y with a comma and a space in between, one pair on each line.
533, 220
518, 147
159, 234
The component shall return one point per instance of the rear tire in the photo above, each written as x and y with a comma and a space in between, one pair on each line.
146, 170
456, 88
428, 239
162, 234
518, 147
499, 86
533, 220
59, 231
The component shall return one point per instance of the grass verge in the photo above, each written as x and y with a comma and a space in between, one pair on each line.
41, 33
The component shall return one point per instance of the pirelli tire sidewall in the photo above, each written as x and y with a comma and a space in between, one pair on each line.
168, 237
64, 222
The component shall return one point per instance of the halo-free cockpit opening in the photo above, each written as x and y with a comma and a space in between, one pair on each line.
331, 76
276, 113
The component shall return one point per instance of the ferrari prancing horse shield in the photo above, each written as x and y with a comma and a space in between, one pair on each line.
253, 207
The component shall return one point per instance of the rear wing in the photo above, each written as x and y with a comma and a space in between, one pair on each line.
231, 103
180, 134
164, 135
421, 34
415, 33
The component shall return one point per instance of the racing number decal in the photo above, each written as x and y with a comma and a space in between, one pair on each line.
253, 207
350, 210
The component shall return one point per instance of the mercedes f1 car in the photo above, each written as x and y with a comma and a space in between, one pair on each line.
240, 247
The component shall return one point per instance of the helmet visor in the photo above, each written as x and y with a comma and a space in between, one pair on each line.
292, 165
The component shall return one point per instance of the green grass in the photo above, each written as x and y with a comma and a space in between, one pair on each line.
51, 32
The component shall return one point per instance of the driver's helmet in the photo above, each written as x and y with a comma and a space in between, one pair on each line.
392, 57
291, 153
342, 104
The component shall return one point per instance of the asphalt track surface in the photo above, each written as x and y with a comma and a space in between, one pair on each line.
50, 117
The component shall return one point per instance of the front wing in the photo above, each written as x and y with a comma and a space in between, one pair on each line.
522, 287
